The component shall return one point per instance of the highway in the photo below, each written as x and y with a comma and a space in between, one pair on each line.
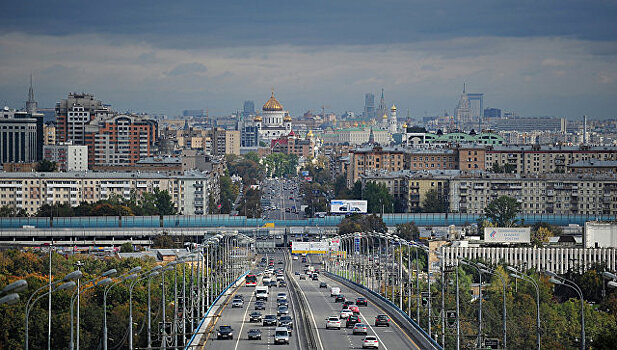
278, 193
321, 306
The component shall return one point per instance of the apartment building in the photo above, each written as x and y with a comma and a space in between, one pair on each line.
49, 134
189, 191
536, 159
68, 157
74, 113
432, 159
538, 194
368, 159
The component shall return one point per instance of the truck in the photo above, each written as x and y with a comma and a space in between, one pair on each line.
261, 293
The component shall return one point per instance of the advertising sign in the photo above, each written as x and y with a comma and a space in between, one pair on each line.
310, 247
343, 206
507, 234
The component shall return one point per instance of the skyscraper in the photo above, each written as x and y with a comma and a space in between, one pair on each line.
249, 109
369, 106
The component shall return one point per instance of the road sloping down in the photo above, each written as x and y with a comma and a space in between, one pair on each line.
404, 321
307, 337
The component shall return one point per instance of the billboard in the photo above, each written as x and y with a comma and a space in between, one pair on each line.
507, 234
343, 206
600, 235
310, 247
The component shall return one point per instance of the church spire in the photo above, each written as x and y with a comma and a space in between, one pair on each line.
31, 105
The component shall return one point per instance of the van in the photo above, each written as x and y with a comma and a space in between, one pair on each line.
281, 335
334, 291
261, 293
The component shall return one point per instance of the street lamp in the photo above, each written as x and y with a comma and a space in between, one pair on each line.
15, 287
486, 270
132, 274
562, 281
516, 274
67, 285
470, 264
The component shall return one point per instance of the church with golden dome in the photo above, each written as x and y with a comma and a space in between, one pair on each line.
273, 122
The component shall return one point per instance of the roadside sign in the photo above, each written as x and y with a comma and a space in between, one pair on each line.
451, 318
491, 343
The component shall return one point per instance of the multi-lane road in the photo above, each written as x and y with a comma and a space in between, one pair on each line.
283, 198
321, 306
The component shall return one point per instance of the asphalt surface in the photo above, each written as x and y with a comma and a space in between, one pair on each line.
322, 306
278, 192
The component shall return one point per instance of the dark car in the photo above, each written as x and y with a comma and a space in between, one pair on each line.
282, 302
352, 320
255, 316
282, 283
225, 332
382, 320
286, 321
323, 285
339, 298
260, 305
302, 277
297, 273
315, 277
254, 333
269, 320
361, 301
347, 303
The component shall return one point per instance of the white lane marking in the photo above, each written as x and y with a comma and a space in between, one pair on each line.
371, 327
243, 320
313, 318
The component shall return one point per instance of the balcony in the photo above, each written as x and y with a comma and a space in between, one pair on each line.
550, 193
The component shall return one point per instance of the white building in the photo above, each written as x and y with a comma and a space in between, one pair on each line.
68, 157
274, 122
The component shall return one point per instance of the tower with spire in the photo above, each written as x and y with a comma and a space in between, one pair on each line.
393, 122
462, 113
31, 105
382, 109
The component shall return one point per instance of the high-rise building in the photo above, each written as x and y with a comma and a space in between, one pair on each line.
250, 136
492, 113
248, 109
49, 134
462, 113
369, 106
120, 139
72, 115
21, 137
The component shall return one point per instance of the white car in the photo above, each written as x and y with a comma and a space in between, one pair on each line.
346, 313
281, 296
370, 341
295, 257
334, 291
333, 322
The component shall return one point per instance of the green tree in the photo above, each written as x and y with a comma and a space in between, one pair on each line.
164, 204
362, 223
126, 248
229, 192
408, 231
378, 198
10, 212
503, 211
46, 166
340, 188
163, 241
434, 202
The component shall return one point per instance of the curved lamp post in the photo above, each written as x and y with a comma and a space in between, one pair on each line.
562, 281
132, 274
488, 271
15, 287
149, 274
516, 274
68, 279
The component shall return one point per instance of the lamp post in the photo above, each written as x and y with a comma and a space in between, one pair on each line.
68, 279
152, 273
15, 287
128, 276
555, 279
516, 274
486, 270
76, 295
470, 264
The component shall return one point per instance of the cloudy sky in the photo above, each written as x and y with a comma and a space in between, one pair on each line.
532, 57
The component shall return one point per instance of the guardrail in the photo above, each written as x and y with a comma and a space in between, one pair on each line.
210, 309
302, 309
425, 341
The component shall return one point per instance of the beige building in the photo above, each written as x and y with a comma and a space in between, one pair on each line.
541, 194
49, 134
376, 158
29, 191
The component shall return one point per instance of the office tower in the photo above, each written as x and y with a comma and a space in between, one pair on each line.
248, 109
492, 113
21, 137
369, 106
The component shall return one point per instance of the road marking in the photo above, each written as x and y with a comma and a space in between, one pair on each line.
242, 321
313, 318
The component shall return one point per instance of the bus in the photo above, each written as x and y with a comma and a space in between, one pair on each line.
251, 280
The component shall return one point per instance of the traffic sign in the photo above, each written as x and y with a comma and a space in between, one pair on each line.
491, 343
451, 318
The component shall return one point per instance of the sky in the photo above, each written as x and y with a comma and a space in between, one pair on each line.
534, 58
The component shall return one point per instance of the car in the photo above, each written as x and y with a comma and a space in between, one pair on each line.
355, 309
334, 291
295, 257
254, 333
266, 281
323, 285
260, 305
345, 313
281, 335
237, 303
282, 302
302, 277
269, 320
255, 316
333, 322
297, 273
347, 303
282, 310
360, 328
239, 296
282, 284
286, 321
361, 301
280, 262
315, 277
339, 298
225, 332
370, 341
352, 320
382, 320
281, 295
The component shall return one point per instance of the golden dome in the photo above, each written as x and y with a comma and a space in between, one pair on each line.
272, 105
287, 118
257, 119
393, 109
405, 126
310, 133
385, 116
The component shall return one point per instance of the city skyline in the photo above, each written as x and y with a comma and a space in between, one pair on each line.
557, 58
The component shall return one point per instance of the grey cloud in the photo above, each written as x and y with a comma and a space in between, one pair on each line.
188, 68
